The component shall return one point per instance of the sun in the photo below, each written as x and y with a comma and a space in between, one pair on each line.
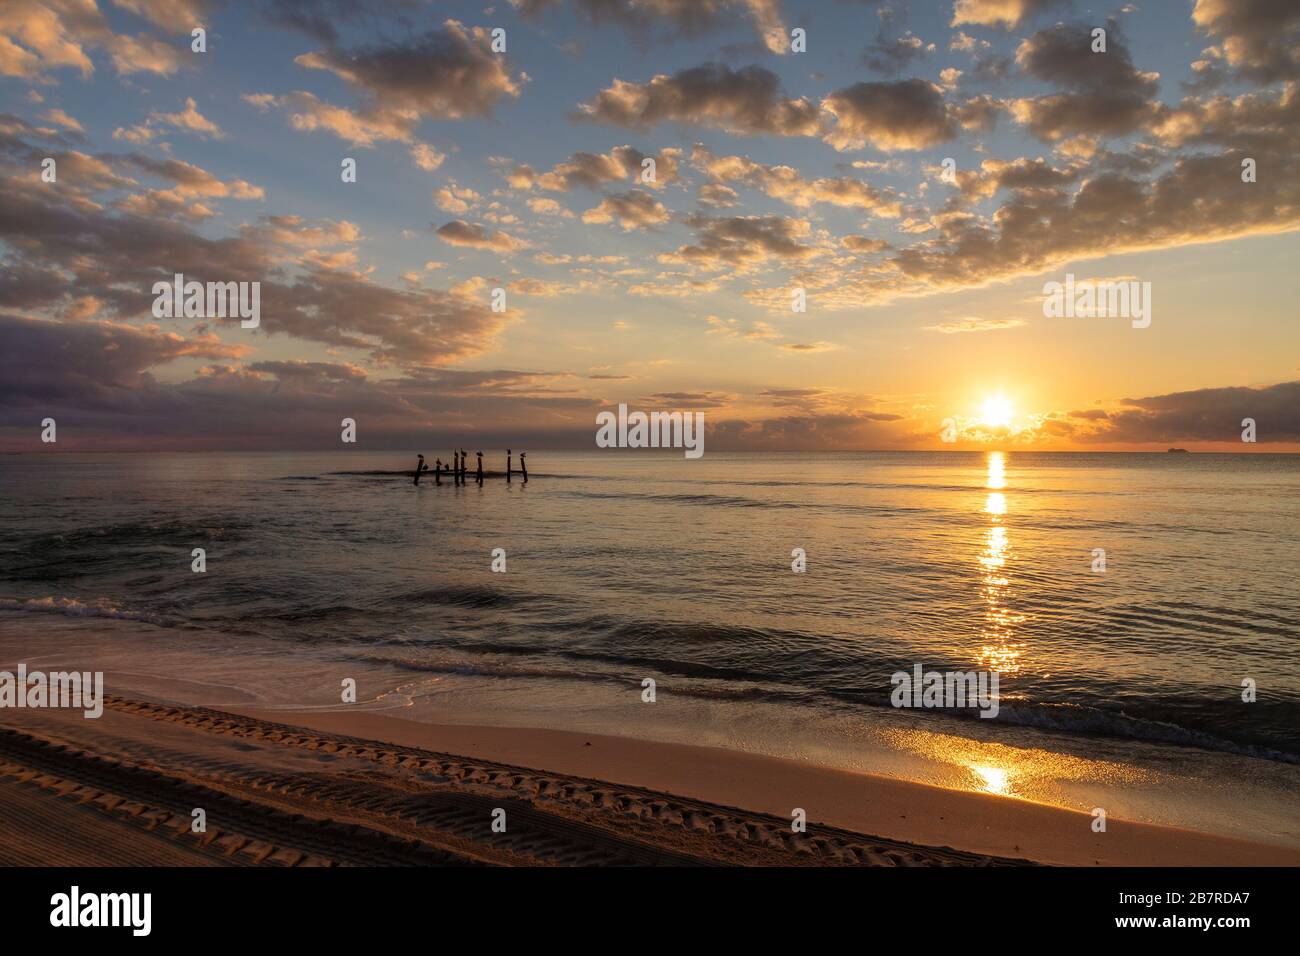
996, 412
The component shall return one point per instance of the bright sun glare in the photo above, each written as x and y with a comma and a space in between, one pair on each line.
996, 411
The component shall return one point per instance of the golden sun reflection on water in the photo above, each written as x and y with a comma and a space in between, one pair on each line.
996, 779
1000, 651
997, 470
1025, 772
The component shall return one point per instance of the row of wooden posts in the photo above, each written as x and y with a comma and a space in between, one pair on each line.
458, 470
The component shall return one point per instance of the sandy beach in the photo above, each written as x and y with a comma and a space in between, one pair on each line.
321, 788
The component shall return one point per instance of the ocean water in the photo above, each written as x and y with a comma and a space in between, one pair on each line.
622, 566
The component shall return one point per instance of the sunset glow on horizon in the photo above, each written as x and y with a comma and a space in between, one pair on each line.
842, 249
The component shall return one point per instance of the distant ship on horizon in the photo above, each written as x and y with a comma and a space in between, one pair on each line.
1182, 450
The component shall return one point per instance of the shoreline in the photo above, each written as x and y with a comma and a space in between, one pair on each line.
297, 788
868, 798
862, 802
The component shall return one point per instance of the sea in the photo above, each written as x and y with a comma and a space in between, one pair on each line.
1141, 610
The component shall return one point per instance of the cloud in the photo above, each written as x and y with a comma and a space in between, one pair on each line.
1207, 414
267, 404
174, 16
1055, 216
634, 209
1105, 94
426, 157
188, 119
66, 252
144, 54
730, 328
1258, 38
409, 327
308, 113
89, 363
741, 242
460, 233
684, 17
747, 101
975, 325
87, 172
1021, 175
548, 207
864, 244
826, 430
37, 38
894, 55
189, 183
687, 399
543, 288
909, 114
295, 231
455, 199
716, 194
84, 174
994, 13
60, 118
789, 185
448, 73
805, 348
593, 170
1110, 213
320, 19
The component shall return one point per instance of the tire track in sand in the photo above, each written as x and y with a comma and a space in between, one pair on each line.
562, 819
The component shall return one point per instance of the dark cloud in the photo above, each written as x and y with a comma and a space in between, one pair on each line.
447, 73
96, 380
740, 242
461, 233
1104, 93
392, 326
89, 364
909, 114
1207, 414
864, 244
1115, 207
1021, 175
683, 400
979, 113
683, 18
66, 253
1258, 38
989, 68
745, 101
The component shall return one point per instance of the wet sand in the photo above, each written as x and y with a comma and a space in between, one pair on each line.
340, 788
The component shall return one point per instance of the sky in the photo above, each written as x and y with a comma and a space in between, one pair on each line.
649, 182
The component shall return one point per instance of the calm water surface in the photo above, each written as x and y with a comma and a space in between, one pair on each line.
623, 566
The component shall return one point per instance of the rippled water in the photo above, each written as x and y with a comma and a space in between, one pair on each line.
623, 566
